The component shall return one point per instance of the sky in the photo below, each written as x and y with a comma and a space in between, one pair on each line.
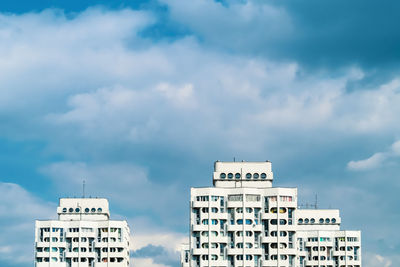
139, 98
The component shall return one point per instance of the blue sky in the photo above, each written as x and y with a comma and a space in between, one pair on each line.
139, 98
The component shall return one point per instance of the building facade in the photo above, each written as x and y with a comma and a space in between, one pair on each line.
83, 236
243, 221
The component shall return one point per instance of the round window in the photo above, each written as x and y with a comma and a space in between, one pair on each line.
333, 220
93, 210
263, 175
230, 175
312, 220
222, 175
87, 210
77, 210
327, 220
255, 176
64, 209
321, 220
300, 220
237, 175
71, 210
99, 210
306, 220
248, 176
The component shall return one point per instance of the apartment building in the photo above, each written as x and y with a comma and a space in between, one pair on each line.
83, 236
243, 221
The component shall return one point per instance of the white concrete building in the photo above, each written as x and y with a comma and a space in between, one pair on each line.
244, 221
83, 236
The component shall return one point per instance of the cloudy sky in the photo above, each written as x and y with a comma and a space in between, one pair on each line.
139, 98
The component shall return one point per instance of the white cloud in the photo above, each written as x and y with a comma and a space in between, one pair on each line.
146, 262
374, 260
126, 185
376, 160
18, 211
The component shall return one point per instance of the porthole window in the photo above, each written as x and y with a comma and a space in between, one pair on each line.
300, 220
307, 220
327, 220
64, 209
77, 210
312, 220
222, 175
99, 210
248, 176
263, 175
93, 210
87, 210
230, 175
333, 220
71, 210
237, 175
321, 220
255, 176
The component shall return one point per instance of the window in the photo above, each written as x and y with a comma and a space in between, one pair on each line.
263, 175
235, 198
249, 257
333, 220
249, 210
202, 198
93, 210
283, 233
214, 210
321, 220
222, 175
237, 175
248, 175
239, 257
312, 220
64, 210
272, 198
306, 220
255, 176
274, 233
87, 210
230, 175
239, 245
249, 233
99, 210
214, 257
239, 210
77, 210
248, 221
214, 233
240, 222
253, 197
249, 245
327, 220
71, 210
300, 221
286, 198
204, 210
214, 198
204, 222
273, 210
214, 222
